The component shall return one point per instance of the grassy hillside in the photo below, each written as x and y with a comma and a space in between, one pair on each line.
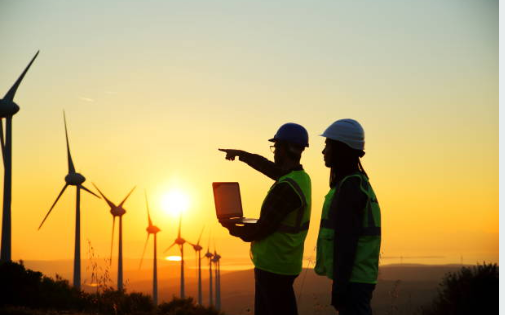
402, 289
27, 292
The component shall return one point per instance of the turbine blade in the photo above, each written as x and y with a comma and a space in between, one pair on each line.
61, 193
71, 168
174, 243
144, 251
208, 245
148, 216
200, 237
122, 202
112, 239
10, 95
180, 223
86, 189
110, 203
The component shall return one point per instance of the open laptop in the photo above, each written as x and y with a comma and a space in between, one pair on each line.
228, 203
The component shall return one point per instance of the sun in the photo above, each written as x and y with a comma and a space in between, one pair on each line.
175, 202
173, 258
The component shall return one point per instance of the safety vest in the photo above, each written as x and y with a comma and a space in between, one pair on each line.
366, 262
282, 251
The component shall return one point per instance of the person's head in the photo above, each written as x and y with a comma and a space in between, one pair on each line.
345, 144
290, 141
339, 154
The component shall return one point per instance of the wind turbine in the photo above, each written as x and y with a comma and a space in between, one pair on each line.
179, 241
73, 179
198, 248
8, 109
117, 211
209, 256
151, 229
215, 260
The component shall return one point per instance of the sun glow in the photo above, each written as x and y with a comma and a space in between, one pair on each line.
173, 258
175, 202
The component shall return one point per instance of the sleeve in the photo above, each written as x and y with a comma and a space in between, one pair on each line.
348, 209
281, 201
262, 165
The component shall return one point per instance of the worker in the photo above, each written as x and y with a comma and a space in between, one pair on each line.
278, 237
349, 238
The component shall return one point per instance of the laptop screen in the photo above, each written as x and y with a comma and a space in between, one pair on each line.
227, 200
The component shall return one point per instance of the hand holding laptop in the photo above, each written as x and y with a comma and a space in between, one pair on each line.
229, 204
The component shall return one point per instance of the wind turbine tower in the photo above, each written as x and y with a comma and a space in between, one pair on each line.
73, 179
180, 241
198, 249
117, 211
151, 229
8, 109
209, 256
216, 262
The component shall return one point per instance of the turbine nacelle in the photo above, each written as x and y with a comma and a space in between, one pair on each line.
8, 108
74, 179
118, 211
197, 248
152, 229
180, 241
208, 255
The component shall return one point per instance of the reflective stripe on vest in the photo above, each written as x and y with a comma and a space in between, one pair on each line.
367, 231
299, 227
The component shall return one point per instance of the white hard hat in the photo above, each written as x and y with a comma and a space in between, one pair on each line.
348, 131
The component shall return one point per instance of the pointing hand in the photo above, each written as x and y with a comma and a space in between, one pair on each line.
231, 154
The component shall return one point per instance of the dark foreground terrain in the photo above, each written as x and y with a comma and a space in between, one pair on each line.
402, 289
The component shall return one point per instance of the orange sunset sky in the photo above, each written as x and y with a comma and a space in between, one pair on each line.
151, 89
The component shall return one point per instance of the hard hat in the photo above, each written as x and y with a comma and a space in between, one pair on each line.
292, 133
348, 131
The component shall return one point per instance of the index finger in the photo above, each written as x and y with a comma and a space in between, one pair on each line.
223, 150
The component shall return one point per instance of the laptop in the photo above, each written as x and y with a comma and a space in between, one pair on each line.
229, 204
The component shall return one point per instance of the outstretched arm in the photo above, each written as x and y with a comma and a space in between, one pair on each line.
255, 161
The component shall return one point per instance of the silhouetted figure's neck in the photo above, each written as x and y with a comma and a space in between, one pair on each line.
339, 172
290, 165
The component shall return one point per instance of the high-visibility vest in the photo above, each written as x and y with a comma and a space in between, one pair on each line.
282, 251
366, 262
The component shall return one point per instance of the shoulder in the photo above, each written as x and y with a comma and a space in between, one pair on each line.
350, 183
350, 190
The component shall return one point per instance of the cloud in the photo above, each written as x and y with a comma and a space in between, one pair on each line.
86, 99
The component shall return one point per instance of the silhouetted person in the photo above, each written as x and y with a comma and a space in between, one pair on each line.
277, 238
349, 238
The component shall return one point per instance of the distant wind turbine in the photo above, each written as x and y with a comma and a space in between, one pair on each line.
117, 211
151, 229
216, 262
198, 248
73, 179
209, 256
8, 109
179, 241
